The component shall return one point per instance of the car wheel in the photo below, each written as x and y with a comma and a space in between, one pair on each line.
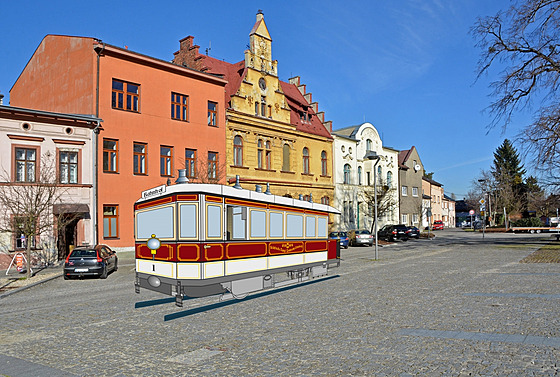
346, 247
104, 273
116, 265
66, 277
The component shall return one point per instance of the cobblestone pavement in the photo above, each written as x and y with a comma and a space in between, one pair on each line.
457, 305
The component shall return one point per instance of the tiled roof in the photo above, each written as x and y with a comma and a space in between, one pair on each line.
297, 103
349, 132
233, 73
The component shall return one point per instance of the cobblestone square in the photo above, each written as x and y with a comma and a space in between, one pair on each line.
457, 305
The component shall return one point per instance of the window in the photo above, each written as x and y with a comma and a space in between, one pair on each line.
238, 151
325, 200
359, 175
212, 165
122, 91
188, 221
212, 113
190, 158
258, 224
179, 107
379, 174
166, 161
415, 191
68, 166
140, 157
260, 153
324, 170
268, 155
236, 223
310, 226
256, 108
263, 106
368, 175
404, 218
214, 221
294, 226
305, 160
26, 164
347, 174
110, 156
276, 224
389, 179
158, 221
369, 144
404, 190
286, 157
110, 221
414, 218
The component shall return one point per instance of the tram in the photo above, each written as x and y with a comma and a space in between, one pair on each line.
197, 240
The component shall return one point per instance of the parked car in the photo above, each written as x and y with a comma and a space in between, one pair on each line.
412, 232
437, 225
97, 260
342, 238
360, 237
393, 232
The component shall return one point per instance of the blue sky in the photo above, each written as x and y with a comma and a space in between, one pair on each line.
406, 66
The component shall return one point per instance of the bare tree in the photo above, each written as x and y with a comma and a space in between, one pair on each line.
27, 208
205, 171
526, 40
387, 200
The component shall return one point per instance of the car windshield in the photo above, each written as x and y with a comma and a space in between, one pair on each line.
83, 253
362, 232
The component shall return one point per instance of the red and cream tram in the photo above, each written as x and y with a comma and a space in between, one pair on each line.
216, 239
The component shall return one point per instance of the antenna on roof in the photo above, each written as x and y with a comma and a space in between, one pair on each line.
209, 47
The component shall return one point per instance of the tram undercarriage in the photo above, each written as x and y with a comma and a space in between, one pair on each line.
233, 287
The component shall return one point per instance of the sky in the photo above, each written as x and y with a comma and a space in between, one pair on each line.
406, 66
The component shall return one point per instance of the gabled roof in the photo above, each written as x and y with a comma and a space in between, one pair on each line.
297, 103
404, 156
349, 132
431, 181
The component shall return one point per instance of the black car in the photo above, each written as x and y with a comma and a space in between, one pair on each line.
393, 232
413, 232
90, 261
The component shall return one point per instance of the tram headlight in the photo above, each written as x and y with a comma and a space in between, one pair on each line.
154, 281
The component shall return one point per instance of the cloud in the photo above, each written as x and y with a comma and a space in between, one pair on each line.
465, 163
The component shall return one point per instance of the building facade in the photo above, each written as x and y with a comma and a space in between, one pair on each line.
354, 176
435, 191
39, 148
157, 117
411, 172
275, 134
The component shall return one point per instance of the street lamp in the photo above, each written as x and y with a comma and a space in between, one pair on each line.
483, 181
372, 155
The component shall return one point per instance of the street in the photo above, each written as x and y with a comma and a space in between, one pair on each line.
456, 305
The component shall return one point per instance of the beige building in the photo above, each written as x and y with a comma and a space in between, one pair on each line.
38, 147
435, 191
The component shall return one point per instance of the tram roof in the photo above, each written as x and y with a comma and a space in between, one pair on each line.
232, 192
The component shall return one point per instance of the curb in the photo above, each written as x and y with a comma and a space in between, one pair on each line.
8, 293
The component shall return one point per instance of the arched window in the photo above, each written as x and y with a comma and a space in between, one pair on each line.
260, 154
347, 174
389, 179
238, 151
359, 175
324, 170
286, 157
268, 155
379, 174
369, 145
305, 160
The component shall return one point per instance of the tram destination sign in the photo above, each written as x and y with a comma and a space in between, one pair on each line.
153, 192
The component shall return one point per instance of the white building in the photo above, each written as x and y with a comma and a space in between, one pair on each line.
29, 141
354, 179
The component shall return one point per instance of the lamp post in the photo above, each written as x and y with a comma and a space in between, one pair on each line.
483, 181
372, 155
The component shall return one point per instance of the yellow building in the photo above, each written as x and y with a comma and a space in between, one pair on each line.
274, 134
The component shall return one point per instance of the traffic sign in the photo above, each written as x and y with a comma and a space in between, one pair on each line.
482, 201
471, 212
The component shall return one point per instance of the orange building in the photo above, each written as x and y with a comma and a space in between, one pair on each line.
157, 117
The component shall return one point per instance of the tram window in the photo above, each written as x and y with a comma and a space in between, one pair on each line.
213, 221
188, 220
322, 227
258, 224
310, 226
294, 225
236, 223
155, 221
276, 225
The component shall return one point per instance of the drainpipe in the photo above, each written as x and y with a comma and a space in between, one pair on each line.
96, 152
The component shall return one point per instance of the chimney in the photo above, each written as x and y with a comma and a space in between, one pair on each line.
182, 176
1, 99
260, 15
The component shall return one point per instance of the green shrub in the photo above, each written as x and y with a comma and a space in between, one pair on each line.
527, 222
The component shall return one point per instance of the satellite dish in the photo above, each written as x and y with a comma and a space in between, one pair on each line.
416, 167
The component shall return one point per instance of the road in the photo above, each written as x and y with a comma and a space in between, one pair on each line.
457, 305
